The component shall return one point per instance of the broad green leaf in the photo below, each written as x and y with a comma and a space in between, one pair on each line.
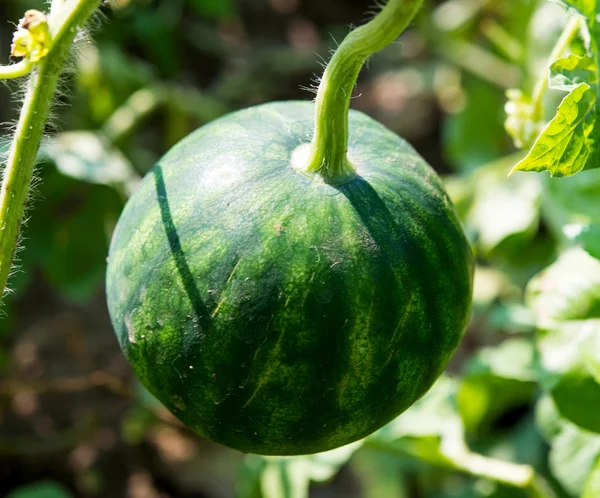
588, 236
561, 149
547, 418
572, 71
290, 477
591, 360
585, 8
496, 380
89, 157
467, 144
566, 300
592, 485
572, 200
501, 212
574, 451
572, 457
431, 430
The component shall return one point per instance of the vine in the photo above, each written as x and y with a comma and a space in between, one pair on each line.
326, 155
45, 44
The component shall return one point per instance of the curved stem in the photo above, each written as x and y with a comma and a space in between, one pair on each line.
327, 153
30, 129
15, 70
541, 86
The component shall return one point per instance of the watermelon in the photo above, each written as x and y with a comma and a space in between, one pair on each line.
279, 314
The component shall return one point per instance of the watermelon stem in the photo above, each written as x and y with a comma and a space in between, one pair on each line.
13, 71
40, 90
327, 156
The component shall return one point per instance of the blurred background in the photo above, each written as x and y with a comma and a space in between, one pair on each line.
73, 420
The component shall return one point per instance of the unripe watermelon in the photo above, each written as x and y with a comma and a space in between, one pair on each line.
276, 314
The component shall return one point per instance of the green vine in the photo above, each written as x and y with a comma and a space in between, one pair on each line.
541, 86
45, 44
326, 155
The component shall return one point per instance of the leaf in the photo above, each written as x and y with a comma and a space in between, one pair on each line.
496, 380
574, 451
572, 71
467, 144
502, 212
588, 236
89, 157
290, 477
431, 430
592, 485
585, 8
572, 200
561, 148
572, 457
592, 364
566, 300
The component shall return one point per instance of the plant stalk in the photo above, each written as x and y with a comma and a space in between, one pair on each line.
541, 86
15, 70
327, 154
41, 88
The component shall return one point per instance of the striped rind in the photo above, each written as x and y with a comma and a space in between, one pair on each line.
277, 315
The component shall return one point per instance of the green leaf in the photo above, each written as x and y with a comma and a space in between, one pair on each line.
500, 213
561, 149
592, 485
431, 430
566, 300
89, 157
572, 200
592, 364
588, 236
585, 8
496, 380
467, 144
572, 457
574, 451
290, 477
572, 71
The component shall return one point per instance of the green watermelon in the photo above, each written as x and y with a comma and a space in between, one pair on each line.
280, 315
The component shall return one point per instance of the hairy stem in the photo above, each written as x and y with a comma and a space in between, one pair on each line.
30, 129
327, 153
